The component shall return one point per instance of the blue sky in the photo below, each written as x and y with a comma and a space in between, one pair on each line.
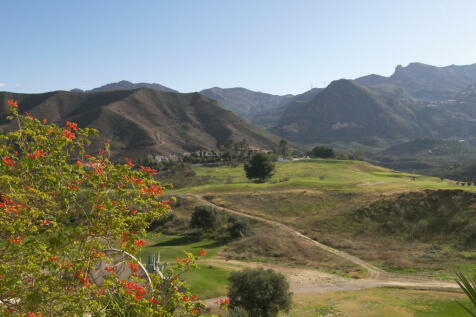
275, 46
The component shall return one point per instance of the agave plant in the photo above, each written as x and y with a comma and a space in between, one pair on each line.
468, 285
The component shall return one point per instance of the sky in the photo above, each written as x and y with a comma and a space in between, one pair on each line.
274, 46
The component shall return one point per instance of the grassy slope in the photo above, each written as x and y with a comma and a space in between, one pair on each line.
378, 302
317, 196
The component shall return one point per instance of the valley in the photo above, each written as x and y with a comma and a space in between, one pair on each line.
317, 222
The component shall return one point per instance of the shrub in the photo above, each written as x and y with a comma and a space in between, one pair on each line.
260, 167
322, 152
59, 210
238, 227
205, 217
263, 293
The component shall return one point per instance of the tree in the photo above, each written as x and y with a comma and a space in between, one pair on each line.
322, 152
205, 217
60, 209
260, 167
238, 227
283, 149
263, 293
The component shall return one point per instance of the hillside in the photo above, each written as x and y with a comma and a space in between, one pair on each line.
127, 85
244, 102
400, 222
426, 155
425, 82
144, 121
346, 112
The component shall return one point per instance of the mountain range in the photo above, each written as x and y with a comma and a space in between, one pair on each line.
144, 121
374, 112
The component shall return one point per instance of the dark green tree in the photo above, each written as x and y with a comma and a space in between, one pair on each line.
283, 149
205, 217
238, 227
322, 152
263, 293
260, 167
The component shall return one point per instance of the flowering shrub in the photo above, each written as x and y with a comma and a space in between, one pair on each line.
59, 209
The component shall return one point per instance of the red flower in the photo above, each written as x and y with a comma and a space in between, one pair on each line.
194, 297
98, 207
12, 103
7, 161
53, 258
154, 301
185, 299
139, 243
134, 212
195, 311
15, 240
37, 154
149, 170
134, 267
72, 125
202, 252
129, 162
79, 163
73, 187
87, 156
110, 269
46, 222
68, 134
102, 152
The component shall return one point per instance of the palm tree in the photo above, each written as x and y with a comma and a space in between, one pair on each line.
468, 286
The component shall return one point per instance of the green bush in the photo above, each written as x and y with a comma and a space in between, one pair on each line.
263, 293
238, 227
205, 217
322, 152
260, 167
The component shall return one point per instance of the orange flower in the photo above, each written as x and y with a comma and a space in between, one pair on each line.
12, 103
14, 240
134, 267
139, 243
7, 161
68, 134
134, 212
37, 154
79, 163
46, 222
129, 162
149, 170
72, 125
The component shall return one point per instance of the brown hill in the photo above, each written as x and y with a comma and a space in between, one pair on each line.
143, 121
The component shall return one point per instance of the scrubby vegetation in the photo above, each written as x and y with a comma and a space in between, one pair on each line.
263, 293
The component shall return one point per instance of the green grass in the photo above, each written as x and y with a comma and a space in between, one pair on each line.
386, 302
319, 196
206, 281
171, 247
318, 174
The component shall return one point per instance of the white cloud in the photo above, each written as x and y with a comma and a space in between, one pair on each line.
2, 84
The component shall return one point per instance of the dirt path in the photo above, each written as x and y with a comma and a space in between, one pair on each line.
373, 271
314, 281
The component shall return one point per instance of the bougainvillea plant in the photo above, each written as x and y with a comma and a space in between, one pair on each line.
59, 210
